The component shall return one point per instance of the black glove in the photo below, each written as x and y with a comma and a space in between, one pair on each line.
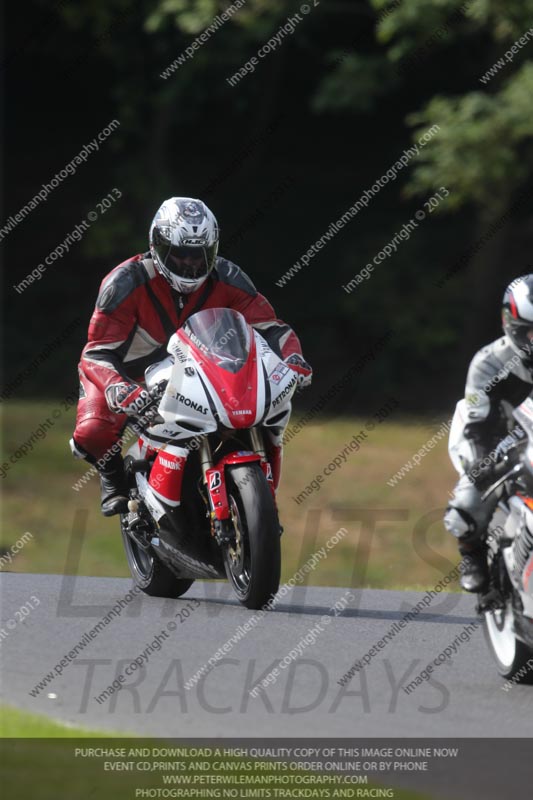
127, 398
481, 474
501, 459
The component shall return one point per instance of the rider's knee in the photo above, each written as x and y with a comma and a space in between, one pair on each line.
92, 438
460, 523
468, 523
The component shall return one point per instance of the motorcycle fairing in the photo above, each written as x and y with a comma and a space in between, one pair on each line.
201, 394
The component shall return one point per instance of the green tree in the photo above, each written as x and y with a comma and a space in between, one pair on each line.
483, 152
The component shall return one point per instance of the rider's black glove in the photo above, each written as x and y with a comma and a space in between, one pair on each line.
505, 455
481, 474
127, 398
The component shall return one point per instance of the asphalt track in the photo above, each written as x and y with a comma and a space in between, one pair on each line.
463, 698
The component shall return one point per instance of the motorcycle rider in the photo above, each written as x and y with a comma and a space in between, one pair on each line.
140, 304
500, 373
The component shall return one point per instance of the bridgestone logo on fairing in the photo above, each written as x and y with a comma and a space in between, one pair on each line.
188, 402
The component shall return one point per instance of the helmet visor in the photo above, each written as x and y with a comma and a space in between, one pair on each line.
520, 332
190, 263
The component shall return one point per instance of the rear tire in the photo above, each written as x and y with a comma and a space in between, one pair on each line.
148, 572
255, 566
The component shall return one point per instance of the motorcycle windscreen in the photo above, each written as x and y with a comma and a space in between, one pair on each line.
222, 335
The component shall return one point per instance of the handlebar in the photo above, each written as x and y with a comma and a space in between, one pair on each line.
507, 474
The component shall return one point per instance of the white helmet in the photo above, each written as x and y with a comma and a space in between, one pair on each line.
184, 242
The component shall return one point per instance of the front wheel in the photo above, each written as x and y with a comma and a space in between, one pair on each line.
253, 558
147, 571
511, 654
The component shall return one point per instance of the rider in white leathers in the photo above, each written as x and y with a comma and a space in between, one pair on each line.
499, 378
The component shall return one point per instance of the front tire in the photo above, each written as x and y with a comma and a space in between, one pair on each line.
510, 653
148, 572
253, 559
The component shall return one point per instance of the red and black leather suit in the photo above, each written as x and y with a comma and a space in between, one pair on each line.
136, 313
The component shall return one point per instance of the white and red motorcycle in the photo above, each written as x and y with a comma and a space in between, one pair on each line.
202, 498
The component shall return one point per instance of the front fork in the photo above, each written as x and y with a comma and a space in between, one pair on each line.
214, 479
258, 442
206, 455
206, 458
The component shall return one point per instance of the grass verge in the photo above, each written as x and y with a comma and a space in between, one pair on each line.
395, 535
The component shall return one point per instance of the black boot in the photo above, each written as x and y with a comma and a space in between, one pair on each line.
114, 487
474, 568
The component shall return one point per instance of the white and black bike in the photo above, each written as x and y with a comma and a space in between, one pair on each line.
507, 604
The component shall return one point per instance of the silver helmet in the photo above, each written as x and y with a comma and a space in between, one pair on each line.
184, 242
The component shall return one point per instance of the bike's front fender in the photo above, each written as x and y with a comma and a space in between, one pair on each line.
216, 480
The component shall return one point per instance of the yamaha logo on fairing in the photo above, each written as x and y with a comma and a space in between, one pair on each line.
283, 394
179, 354
264, 347
170, 464
190, 403
242, 411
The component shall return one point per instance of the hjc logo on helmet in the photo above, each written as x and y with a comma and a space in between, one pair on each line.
196, 240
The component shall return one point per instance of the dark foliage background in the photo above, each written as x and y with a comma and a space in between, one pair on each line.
278, 157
